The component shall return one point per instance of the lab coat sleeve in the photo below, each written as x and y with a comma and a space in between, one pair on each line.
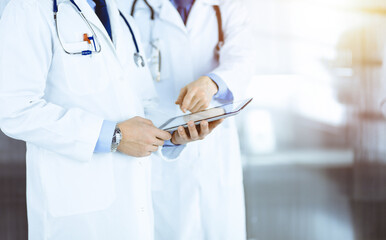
26, 50
236, 55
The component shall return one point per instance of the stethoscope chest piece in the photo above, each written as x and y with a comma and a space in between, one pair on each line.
138, 59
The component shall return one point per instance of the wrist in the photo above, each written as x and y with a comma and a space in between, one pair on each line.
212, 85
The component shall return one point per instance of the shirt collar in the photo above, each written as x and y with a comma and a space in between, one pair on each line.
92, 4
186, 3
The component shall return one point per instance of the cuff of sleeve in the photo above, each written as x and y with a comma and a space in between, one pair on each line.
168, 143
223, 91
170, 153
103, 144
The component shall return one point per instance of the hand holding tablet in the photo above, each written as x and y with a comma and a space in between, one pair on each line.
193, 133
210, 115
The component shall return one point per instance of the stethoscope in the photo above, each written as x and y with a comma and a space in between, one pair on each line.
138, 59
155, 55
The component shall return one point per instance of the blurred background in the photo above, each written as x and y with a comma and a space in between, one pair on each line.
312, 142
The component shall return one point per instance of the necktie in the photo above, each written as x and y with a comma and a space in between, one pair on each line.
103, 15
183, 7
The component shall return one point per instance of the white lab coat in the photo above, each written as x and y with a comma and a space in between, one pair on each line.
199, 196
3, 3
56, 103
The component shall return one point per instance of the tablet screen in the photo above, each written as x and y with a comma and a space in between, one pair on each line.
208, 114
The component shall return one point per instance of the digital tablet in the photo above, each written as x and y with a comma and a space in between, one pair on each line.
210, 115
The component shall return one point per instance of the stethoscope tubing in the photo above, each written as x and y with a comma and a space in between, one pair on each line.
94, 37
131, 31
152, 18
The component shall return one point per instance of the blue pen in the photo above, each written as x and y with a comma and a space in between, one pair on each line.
87, 52
92, 38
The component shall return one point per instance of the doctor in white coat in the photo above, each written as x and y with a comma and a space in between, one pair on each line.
199, 196
64, 84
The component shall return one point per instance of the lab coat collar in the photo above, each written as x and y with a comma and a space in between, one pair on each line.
116, 30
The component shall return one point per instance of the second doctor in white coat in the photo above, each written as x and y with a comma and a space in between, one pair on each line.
199, 196
59, 103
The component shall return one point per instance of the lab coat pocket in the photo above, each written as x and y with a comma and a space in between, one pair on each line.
86, 74
73, 187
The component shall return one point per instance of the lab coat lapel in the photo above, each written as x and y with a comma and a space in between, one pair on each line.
209, 2
94, 20
167, 12
120, 41
197, 9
